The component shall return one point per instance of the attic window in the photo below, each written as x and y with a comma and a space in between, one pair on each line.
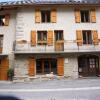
2, 20
85, 16
45, 15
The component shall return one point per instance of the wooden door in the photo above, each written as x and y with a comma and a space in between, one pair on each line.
4, 66
92, 67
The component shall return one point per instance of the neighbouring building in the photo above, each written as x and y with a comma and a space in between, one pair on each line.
38, 37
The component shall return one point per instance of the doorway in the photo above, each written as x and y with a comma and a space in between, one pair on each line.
88, 65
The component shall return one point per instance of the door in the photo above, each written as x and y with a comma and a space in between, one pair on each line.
4, 66
92, 67
88, 65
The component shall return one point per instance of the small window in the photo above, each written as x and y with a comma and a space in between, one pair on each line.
58, 35
85, 16
45, 16
1, 41
87, 37
42, 37
2, 20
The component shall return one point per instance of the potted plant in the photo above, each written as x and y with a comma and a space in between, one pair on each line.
10, 74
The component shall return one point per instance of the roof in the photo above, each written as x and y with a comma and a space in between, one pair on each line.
41, 2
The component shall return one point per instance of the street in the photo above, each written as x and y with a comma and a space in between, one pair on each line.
81, 89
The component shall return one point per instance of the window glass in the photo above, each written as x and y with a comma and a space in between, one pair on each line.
45, 16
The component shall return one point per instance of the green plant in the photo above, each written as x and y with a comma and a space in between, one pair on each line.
10, 73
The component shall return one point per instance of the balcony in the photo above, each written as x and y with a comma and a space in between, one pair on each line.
65, 47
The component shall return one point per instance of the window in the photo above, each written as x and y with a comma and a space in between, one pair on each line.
87, 37
42, 37
46, 66
85, 16
45, 16
58, 35
1, 41
2, 20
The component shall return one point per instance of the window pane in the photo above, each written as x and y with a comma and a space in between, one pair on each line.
85, 17
58, 35
45, 15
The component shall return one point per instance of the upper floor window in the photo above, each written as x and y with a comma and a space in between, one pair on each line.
85, 16
1, 41
45, 16
58, 35
87, 37
4, 20
42, 37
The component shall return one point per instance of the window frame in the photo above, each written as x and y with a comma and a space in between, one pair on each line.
59, 33
1, 41
89, 16
42, 41
87, 37
47, 13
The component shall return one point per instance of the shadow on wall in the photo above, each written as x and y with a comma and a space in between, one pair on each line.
8, 98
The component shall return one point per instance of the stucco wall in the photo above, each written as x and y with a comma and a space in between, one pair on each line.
8, 32
65, 21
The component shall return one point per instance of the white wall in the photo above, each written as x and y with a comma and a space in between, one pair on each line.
8, 32
65, 21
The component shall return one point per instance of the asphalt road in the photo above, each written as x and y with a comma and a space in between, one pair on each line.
85, 89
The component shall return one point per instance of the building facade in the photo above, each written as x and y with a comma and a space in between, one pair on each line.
41, 37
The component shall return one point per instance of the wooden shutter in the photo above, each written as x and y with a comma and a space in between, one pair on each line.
60, 66
4, 69
32, 68
95, 37
7, 18
33, 38
77, 16
93, 16
53, 15
37, 16
79, 37
50, 37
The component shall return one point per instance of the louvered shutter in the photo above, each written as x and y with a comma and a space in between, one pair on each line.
93, 16
77, 16
50, 37
53, 15
33, 38
7, 18
32, 68
60, 66
79, 37
37, 16
95, 37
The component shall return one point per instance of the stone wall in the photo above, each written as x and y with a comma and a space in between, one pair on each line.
21, 66
71, 67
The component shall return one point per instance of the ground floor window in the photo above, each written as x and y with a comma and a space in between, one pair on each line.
46, 66
88, 65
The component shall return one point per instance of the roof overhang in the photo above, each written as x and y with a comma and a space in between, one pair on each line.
50, 3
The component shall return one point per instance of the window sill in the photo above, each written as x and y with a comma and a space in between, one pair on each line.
41, 42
